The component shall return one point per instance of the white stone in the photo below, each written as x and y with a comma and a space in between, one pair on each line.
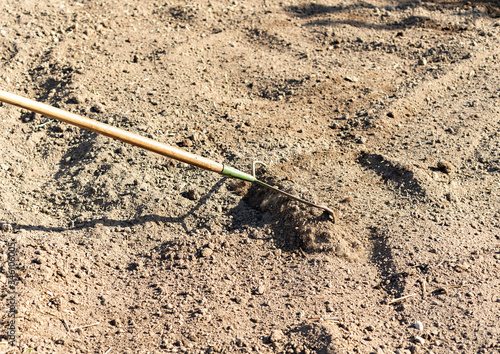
419, 325
420, 340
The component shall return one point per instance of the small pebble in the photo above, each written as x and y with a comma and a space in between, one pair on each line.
60, 128
361, 140
240, 342
445, 166
38, 260
451, 197
419, 325
116, 322
6, 227
422, 61
185, 143
97, 108
207, 252
192, 195
276, 336
419, 340
261, 289
76, 99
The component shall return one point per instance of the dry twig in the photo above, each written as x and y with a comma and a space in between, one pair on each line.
399, 299
325, 319
82, 327
65, 324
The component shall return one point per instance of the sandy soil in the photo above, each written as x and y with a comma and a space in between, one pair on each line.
387, 111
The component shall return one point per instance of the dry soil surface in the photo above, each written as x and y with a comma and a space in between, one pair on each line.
387, 111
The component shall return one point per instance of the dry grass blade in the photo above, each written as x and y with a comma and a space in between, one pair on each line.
399, 299
325, 319
82, 327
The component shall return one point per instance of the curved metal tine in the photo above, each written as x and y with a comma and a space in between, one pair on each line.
253, 166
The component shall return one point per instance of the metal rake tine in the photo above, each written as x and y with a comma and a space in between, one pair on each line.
291, 196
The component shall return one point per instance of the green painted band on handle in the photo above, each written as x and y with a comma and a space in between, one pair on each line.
233, 172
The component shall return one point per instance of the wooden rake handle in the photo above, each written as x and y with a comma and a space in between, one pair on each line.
142, 142
112, 132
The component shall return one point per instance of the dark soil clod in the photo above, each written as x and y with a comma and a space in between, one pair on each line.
301, 226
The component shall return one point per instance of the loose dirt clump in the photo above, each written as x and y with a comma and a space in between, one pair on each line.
318, 337
300, 225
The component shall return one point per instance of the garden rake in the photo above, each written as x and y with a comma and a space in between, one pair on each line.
145, 143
